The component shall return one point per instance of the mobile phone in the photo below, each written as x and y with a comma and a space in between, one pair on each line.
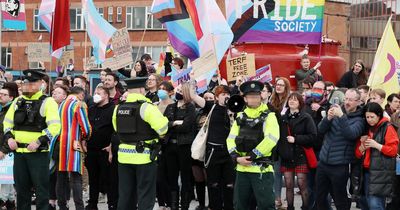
335, 101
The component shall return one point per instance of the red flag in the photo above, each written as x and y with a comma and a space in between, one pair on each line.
61, 26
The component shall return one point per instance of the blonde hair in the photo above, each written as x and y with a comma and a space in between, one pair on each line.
186, 92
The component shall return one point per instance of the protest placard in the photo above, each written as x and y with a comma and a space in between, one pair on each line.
38, 52
263, 74
180, 77
89, 63
6, 169
204, 64
122, 50
66, 57
243, 65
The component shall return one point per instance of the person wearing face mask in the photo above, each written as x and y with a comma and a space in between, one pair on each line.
219, 165
164, 93
181, 133
166, 90
98, 147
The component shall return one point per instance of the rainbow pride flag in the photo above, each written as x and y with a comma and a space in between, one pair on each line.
276, 21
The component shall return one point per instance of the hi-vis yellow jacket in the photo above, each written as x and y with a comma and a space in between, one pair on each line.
48, 110
264, 148
127, 153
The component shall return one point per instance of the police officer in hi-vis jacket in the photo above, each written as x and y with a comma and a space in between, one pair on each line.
251, 140
138, 124
32, 121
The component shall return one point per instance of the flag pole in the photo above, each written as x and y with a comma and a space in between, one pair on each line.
51, 47
141, 41
216, 62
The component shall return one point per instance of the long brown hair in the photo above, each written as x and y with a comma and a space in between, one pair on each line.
362, 77
276, 101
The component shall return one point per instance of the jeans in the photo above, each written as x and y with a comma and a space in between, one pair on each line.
332, 179
221, 177
75, 181
371, 202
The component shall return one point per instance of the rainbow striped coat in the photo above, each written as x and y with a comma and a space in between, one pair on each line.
74, 126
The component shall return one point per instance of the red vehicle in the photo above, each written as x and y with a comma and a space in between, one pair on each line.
285, 59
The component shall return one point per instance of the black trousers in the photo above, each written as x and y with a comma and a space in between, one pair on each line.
140, 179
220, 178
113, 197
332, 179
163, 196
179, 159
99, 172
32, 170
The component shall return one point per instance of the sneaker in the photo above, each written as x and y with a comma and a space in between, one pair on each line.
102, 198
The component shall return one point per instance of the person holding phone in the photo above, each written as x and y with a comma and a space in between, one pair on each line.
378, 151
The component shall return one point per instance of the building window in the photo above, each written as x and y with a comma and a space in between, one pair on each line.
101, 11
37, 26
153, 51
137, 17
6, 57
76, 19
35, 65
110, 14
119, 14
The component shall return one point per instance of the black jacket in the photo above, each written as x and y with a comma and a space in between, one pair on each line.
101, 121
3, 145
184, 133
303, 129
317, 117
348, 80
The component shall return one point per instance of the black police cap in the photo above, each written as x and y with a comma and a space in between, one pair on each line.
33, 75
136, 82
251, 87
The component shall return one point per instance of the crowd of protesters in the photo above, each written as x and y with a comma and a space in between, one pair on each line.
337, 144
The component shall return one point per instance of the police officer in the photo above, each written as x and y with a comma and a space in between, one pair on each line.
29, 125
250, 143
138, 124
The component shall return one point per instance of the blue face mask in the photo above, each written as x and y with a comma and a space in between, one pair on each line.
162, 94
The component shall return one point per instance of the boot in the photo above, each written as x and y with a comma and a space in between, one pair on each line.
185, 201
10, 205
174, 201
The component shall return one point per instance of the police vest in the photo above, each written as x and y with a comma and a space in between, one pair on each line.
251, 132
131, 128
27, 115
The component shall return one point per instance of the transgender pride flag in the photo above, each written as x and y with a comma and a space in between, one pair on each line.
99, 30
13, 14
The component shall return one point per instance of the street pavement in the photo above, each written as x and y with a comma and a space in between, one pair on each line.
194, 204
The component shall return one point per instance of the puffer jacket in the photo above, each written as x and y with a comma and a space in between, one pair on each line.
340, 136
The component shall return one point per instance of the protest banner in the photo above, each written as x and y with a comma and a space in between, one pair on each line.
66, 57
122, 49
38, 52
203, 70
263, 74
89, 63
178, 78
243, 65
289, 22
6, 169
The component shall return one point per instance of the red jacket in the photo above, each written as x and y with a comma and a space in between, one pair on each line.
389, 148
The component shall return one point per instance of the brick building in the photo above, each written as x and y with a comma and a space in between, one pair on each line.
135, 15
